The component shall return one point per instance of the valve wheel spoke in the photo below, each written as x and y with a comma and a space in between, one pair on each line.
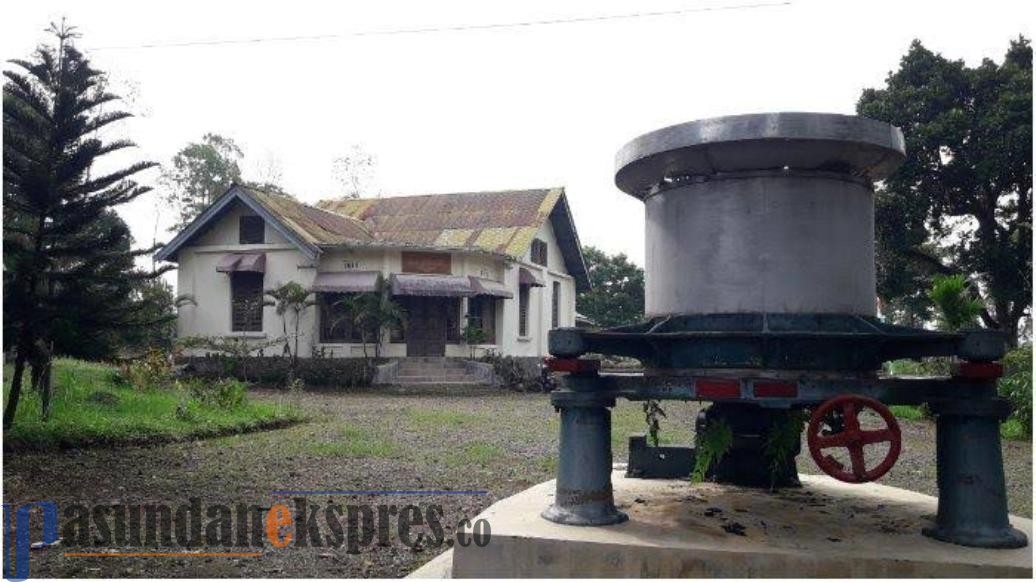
842, 414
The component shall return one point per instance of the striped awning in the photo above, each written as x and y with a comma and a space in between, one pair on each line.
432, 285
487, 287
346, 282
526, 277
242, 262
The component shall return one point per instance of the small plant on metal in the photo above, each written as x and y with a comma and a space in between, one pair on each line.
782, 442
713, 445
653, 413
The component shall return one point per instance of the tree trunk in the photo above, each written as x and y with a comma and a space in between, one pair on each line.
1010, 327
16, 389
46, 389
295, 354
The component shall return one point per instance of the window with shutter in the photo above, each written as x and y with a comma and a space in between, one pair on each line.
335, 324
251, 230
523, 311
246, 301
555, 306
482, 314
538, 252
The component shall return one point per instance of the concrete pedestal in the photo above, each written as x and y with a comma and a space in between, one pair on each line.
678, 529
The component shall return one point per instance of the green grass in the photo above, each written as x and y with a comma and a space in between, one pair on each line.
907, 412
354, 442
92, 407
628, 420
432, 418
480, 454
1011, 429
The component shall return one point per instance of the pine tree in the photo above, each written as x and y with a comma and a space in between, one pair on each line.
66, 253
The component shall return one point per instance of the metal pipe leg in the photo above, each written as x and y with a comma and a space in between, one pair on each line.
972, 491
584, 484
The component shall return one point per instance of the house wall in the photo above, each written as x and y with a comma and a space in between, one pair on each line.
197, 276
225, 230
535, 344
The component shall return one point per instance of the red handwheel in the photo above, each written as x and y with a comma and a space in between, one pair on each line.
836, 424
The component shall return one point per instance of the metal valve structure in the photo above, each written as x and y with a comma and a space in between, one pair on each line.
760, 299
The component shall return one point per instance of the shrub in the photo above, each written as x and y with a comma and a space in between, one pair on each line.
516, 374
276, 370
154, 370
1016, 385
225, 394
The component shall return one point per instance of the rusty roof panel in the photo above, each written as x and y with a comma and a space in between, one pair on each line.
317, 226
502, 222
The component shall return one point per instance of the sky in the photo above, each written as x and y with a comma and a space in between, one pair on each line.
484, 108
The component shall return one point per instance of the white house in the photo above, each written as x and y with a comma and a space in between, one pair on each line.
508, 261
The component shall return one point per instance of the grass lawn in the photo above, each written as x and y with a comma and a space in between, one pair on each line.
493, 441
1010, 429
92, 406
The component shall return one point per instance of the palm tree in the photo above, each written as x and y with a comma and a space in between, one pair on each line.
292, 298
372, 313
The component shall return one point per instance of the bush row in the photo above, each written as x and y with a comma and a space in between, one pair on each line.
338, 372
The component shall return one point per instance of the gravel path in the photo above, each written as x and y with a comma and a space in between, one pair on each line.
495, 441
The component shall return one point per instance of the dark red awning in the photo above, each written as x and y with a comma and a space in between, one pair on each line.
527, 278
242, 262
432, 285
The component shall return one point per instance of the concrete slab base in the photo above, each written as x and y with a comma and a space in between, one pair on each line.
440, 566
678, 529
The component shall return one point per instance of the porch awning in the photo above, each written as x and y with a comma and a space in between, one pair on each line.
432, 285
526, 277
242, 262
346, 282
487, 287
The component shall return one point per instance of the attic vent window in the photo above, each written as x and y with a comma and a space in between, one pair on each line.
538, 252
251, 230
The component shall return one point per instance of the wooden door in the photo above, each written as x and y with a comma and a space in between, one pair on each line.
426, 326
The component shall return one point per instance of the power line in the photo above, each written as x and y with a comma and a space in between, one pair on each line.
457, 28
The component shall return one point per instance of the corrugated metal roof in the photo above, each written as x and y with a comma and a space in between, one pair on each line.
502, 222
317, 226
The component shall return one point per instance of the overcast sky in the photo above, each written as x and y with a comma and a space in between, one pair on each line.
489, 109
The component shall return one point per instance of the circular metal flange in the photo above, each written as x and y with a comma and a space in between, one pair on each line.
843, 144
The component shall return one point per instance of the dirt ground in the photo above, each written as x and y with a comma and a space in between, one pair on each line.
472, 449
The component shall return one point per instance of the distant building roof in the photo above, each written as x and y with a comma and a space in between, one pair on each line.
500, 223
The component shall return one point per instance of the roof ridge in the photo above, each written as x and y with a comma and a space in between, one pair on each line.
291, 199
430, 194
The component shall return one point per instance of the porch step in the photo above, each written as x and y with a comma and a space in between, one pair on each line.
443, 383
431, 371
432, 367
406, 378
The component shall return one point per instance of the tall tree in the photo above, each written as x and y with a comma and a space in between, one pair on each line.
617, 294
199, 174
63, 252
962, 202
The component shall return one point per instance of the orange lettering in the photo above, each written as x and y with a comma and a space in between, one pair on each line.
276, 518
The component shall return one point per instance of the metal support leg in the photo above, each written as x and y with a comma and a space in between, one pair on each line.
584, 484
972, 492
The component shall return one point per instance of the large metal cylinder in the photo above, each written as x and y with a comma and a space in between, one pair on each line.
768, 213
